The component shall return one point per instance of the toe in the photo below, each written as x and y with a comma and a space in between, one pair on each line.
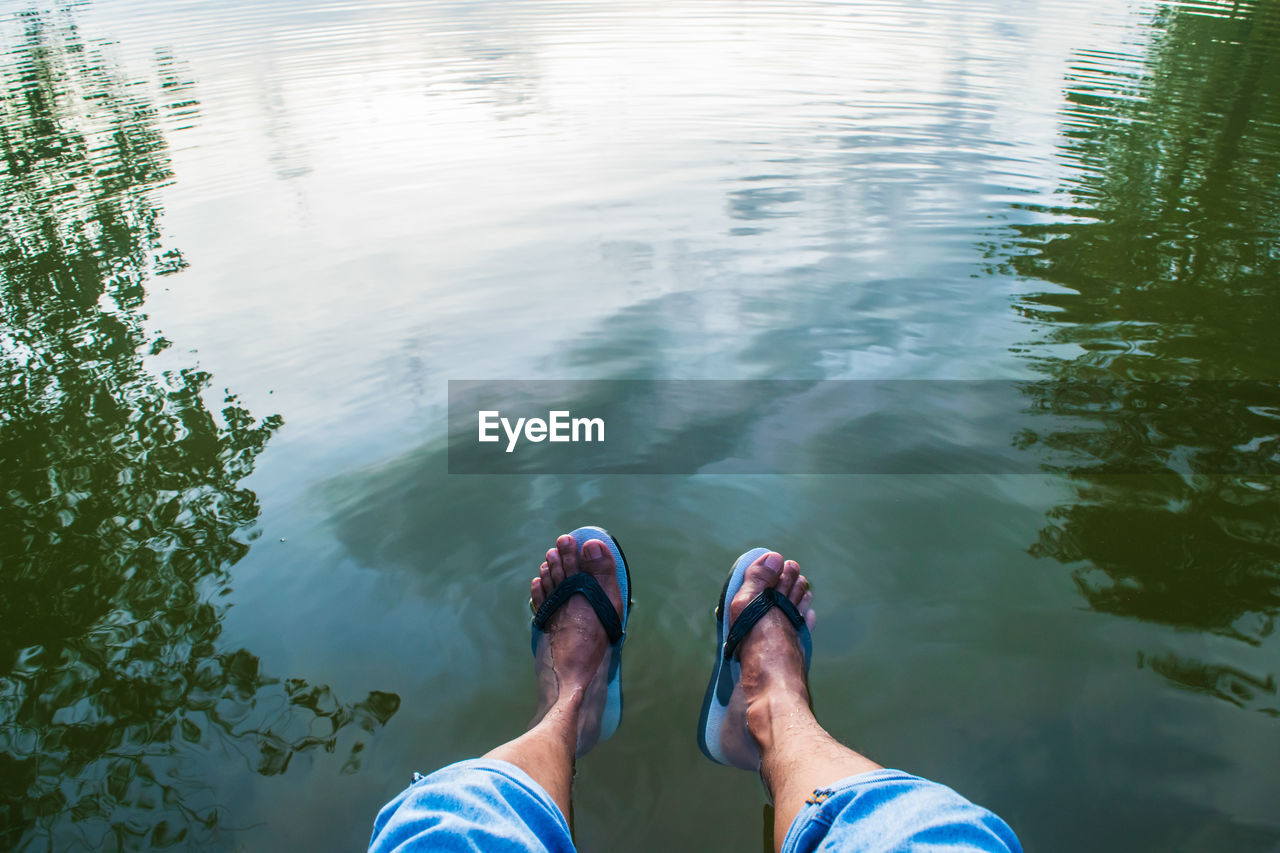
536, 595
568, 551
799, 589
760, 575
805, 604
787, 582
597, 561
555, 569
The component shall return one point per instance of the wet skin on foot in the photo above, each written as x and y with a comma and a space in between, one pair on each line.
770, 655
572, 664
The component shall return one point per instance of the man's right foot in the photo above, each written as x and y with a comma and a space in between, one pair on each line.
773, 677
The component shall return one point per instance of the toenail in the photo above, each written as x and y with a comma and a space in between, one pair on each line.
773, 561
593, 550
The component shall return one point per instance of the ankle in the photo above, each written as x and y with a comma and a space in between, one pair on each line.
570, 700
558, 700
774, 711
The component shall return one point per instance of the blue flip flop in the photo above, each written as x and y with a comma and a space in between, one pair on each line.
738, 748
616, 629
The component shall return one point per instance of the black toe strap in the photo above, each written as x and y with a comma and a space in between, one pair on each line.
587, 586
754, 612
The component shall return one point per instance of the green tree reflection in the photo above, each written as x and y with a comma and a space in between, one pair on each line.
120, 498
1168, 262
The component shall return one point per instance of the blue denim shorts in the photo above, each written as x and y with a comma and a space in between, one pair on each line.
495, 807
888, 810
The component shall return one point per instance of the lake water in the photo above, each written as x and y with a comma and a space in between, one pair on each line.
245, 246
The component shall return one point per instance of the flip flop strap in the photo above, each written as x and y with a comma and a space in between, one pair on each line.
754, 612
587, 586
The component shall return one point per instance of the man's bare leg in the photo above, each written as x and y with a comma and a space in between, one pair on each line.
569, 660
797, 755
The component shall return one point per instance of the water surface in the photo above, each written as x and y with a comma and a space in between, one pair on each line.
243, 249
